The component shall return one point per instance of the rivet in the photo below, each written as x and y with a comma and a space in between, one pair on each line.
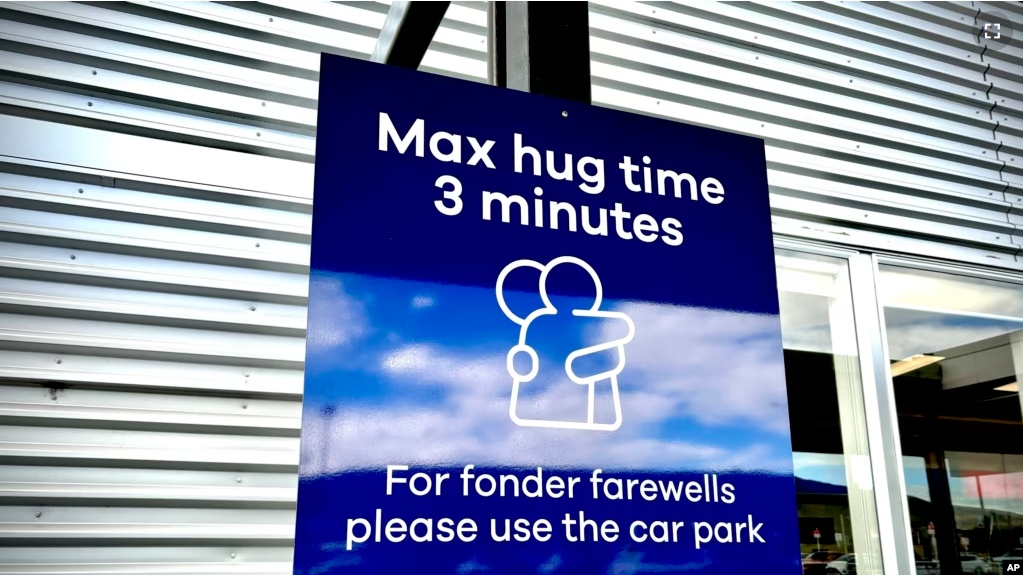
246, 374
93, 72
658, 102
857, 145
252, 308
90, 104
866, 215
271, 19
984, 152
758, 57
850, 80
81, 191
761, 125
564, 114
245, 406
264, 104
258, 134
60, 361
848, 61
234, 555
257, 245
654, 31
72, 256
974, 93
238, 479
39, 513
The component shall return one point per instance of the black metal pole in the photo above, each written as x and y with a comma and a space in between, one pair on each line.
542, 47
407, 32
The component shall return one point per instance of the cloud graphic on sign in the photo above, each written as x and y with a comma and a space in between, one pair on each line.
728, 369
422, 301
448, 404
340, 319
429, 363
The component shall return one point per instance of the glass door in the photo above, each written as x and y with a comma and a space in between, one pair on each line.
834, 490
956, 349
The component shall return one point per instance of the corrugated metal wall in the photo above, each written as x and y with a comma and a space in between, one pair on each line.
886, 127
155, 188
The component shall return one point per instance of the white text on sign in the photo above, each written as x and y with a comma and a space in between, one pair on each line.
575, 527
637, 177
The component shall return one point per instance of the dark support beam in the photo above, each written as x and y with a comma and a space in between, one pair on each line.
407, 32
932, 439
546, 48
946, 530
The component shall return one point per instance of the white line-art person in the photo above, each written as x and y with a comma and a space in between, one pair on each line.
525, 353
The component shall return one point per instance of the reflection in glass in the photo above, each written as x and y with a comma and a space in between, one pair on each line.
956, 345
834, 491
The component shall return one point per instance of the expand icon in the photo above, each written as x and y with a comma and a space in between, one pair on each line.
523, 347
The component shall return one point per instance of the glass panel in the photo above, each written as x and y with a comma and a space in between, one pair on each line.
956, 345
834, 490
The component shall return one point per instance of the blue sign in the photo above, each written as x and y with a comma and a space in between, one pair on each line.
543, 338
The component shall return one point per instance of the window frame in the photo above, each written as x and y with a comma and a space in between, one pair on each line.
897, 555
878, 399
886, 409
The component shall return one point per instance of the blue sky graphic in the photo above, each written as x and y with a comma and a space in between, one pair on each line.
413, 373
417, 370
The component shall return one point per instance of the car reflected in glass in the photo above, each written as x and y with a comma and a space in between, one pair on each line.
974, 564
816, 563
844, 565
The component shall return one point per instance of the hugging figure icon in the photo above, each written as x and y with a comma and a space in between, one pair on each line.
576, 361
